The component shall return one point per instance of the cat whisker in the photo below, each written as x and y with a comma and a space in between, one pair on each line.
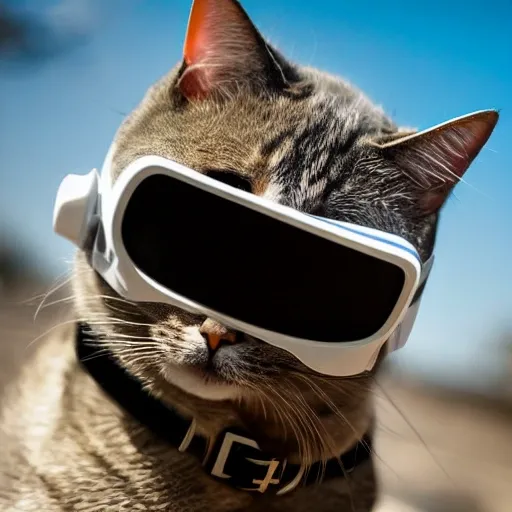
95, 356
123, 311
143, 357
263, 406
121, 343
137, 351
58, 282
146, 357
332, 406
415, 431
66, 322
275, 410
292, 419
112, 297
326, 399
321, 394
311, 414
325, 440
102, 321
35, 340
108, 298
120, 321
132, 337
51, 292
55, 302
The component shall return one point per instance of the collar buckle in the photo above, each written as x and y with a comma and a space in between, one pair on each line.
239, 459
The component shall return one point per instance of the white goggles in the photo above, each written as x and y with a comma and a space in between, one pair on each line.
329, 292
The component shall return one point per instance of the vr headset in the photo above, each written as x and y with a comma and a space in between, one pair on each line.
329, 292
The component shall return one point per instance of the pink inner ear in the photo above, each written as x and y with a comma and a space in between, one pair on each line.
437, 159
448, 156
220, 47
196, 41
457, 146
432, 201
195, 82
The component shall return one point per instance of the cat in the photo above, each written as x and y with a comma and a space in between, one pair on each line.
236, 109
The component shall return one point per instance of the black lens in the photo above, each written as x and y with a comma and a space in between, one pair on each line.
254, 268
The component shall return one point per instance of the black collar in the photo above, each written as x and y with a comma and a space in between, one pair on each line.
234, 458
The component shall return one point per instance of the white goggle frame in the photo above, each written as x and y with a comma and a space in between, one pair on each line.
83, 202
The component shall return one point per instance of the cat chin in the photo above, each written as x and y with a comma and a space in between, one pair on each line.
195, 385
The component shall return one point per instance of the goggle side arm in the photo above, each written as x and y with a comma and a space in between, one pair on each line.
76, 207
401, 334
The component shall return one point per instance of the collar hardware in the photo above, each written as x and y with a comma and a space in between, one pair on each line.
234, 458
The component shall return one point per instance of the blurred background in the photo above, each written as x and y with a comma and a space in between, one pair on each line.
70, 70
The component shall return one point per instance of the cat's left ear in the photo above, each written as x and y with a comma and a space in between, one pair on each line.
224, 52
436, 159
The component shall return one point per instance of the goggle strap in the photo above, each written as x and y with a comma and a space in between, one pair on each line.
401, 334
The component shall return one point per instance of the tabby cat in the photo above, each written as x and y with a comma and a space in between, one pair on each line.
236, 109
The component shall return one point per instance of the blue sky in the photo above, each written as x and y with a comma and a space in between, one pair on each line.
425, 62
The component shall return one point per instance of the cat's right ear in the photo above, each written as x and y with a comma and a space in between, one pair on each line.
224, 52
435, 160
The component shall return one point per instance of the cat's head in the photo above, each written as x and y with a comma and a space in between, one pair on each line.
236, 109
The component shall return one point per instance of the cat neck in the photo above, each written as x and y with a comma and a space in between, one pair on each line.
318, 429
315, 433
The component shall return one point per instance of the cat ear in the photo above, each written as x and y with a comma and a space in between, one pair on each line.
394, 136
224, 50
436, 159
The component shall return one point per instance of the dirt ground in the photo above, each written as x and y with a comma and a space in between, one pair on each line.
437, 450
444, 451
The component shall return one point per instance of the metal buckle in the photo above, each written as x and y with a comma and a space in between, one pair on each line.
229, 441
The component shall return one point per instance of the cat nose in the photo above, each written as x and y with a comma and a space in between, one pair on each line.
215, 334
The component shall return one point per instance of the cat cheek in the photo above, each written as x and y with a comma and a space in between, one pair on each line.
188, 347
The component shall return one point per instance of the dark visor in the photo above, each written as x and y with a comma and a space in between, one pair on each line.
255, 268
